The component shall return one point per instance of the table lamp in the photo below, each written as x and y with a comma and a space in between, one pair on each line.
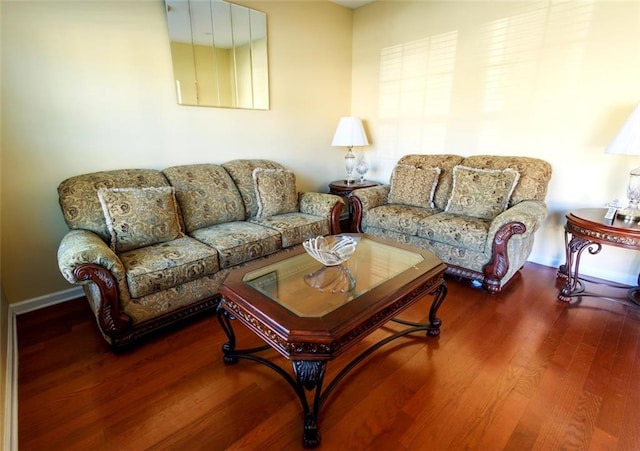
350, 133
627, 142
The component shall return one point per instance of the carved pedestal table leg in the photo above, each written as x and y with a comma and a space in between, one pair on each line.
309, 376
574, 248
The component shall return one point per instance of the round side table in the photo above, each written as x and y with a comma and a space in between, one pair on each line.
587, 229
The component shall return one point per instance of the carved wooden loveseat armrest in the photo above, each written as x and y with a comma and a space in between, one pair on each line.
321, 204
510, 239
84, 258
365, 199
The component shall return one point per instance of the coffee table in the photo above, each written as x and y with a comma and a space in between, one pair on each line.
312, 314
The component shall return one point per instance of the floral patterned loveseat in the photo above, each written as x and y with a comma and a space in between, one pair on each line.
477, 214
152, 247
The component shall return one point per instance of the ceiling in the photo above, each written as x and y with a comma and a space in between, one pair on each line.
353, 4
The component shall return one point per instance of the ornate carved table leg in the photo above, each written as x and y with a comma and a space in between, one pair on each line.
228, 349
574, 248
434, 322
309, 376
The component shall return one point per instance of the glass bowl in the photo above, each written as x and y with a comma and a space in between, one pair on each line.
331, 250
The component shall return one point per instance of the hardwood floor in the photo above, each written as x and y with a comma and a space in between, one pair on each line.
518, 371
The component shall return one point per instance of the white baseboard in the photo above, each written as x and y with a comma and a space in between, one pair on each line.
47, 300
10, 437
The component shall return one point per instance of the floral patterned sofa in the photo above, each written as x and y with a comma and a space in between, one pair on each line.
477, 214
152, 247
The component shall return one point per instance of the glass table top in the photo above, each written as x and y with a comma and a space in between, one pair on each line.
308, 289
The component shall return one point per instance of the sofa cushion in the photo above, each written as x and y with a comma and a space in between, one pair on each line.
241, 171
239, 242
138, 217
161, 266
413, 186
294, 228
275, 192
78, 195
460, 231
481, 193
206, 194
397, 218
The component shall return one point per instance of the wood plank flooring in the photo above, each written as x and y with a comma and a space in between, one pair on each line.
518, 371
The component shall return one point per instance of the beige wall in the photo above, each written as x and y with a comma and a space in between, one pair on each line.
548, 79
88, 86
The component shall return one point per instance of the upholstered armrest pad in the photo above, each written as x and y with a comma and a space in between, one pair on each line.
372, 197
318, 204
82, 246
531, 213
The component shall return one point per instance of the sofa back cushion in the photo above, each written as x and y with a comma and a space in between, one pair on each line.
241, 171
78, 196
446, 164
207, 195
140, 217
275, 192
535, 174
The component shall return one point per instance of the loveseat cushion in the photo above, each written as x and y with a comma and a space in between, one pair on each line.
294, 228
460, 231
481, 193
275, 192
398, 218
206, 194
413, 186
155, 268
139, 217
239, 242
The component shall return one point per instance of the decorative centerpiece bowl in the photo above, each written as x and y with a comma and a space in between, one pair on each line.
331, 250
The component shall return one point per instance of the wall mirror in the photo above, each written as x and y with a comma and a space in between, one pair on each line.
219, 54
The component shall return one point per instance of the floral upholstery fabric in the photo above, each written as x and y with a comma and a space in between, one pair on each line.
456, 230
481, 193
78, 196
413, 186
275, 192
294, 228
241, 171
239, 242
398, 218
206, 195
159, 267
138, 217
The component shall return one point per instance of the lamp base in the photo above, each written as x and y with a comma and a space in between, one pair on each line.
628, 214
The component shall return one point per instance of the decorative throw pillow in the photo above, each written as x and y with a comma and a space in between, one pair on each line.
138, 217
413, 186
275, 192
481, 193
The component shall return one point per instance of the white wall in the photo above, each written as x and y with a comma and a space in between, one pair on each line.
88, 86
553, 80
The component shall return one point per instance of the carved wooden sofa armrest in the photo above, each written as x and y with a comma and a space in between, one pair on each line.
83, 258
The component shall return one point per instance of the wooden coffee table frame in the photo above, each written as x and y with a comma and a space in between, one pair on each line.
310, 342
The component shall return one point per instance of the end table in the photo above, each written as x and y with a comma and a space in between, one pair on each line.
344, 189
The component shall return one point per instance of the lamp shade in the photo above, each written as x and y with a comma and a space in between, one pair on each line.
627, 141
350, 132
